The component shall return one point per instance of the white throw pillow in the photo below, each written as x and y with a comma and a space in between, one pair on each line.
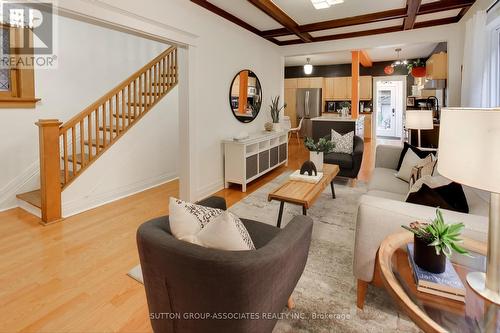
225, 232
187, 219
188, 223
343, 143
409, 161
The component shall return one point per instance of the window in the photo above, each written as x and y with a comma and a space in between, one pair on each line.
17, 82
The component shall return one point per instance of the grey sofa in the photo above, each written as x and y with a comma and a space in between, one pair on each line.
188, 281
382, 211
349, 164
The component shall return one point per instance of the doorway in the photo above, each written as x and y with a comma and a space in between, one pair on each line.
389, 106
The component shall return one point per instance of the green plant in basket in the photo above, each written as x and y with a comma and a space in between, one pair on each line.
444, 237
322, 146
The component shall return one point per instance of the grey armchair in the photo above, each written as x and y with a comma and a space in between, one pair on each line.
349, 164
184, 281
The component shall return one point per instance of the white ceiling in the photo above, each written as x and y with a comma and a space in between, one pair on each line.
248, 13
303, 12
385, 53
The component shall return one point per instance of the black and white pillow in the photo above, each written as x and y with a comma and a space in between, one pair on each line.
208, 227
420, 153
410, 161
343, 143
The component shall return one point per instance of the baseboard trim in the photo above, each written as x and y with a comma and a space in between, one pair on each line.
29, 208
15, 186
209, 189
80, 205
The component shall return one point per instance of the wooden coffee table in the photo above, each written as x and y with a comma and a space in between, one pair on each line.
433, 313
302, 193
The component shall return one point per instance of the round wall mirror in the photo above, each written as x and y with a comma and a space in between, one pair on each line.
245, 96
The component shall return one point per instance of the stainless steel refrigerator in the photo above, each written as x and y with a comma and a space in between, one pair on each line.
308, 106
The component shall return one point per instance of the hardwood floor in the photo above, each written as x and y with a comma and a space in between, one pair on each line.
71, 276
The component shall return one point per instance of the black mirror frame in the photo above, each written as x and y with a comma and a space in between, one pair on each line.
230, 89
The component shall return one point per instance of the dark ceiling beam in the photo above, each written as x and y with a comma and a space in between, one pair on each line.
425, 24
347, 35
230, 17
462, 13
268, 7
392, 14
412, 7
433, 23
343, 22
442, 5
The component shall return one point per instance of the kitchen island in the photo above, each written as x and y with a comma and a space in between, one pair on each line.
322, 126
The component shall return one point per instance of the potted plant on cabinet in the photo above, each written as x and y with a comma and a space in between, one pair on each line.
434, 242
417, 68
275, 112
317, 150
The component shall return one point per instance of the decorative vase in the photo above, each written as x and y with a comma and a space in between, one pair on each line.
268, 126
426, 258
277, 127
317, 159
418, 71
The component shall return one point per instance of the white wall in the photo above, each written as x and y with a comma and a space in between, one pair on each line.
144, 157
218, 49
92, 60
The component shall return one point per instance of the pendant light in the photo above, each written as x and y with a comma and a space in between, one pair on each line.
308, 68
399, 62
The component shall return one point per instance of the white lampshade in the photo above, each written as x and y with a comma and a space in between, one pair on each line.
469, 147
308, 68
422, 120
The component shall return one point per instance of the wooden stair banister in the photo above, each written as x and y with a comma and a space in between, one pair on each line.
67, 150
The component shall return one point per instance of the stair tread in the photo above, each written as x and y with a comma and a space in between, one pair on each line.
33, 198
94, 142
119, 116
108, 128
78, 158
70, 174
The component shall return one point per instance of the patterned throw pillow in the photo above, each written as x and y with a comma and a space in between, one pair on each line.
420, 171
410, 161
343, 143
208, 227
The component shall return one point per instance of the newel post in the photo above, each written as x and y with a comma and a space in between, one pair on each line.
50, 183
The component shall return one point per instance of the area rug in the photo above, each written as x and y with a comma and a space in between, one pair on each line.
325, 297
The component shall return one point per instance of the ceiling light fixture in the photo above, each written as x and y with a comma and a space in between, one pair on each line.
399, 62
323, 4
308, 68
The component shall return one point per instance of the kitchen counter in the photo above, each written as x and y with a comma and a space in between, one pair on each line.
323, 126
335, 117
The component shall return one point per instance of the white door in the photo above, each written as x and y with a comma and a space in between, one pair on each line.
389, 97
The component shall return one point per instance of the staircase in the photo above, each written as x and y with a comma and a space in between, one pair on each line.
67, 150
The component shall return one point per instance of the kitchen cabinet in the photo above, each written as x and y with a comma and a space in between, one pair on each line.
291, 107
437, 66
328, 88
291, 83
365, 88
339, 86
310, 82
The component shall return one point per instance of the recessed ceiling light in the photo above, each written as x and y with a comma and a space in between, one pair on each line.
323, 4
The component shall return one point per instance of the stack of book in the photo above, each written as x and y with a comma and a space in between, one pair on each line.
446, 284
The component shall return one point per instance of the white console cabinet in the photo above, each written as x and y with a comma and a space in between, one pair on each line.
249, 159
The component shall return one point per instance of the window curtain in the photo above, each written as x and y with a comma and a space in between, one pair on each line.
480, 64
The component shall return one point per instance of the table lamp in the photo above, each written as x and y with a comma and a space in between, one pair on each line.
469, 153
419, 120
